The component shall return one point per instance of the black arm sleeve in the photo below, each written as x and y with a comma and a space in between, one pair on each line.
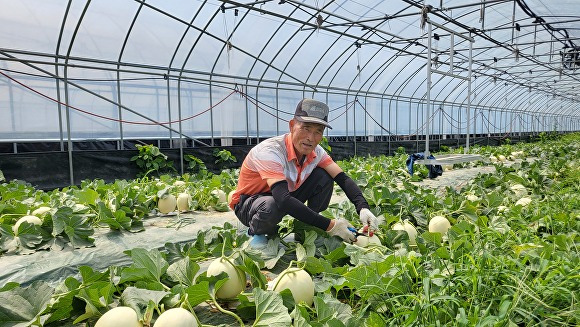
352, 191
291, 205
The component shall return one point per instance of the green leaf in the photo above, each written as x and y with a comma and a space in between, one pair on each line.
21, 306
105, 215
287, 299
116, 220
309, 246
328, 307
442, 253
122, 219
272, 253
222, 207
374, 320
515, 178
79, 230
494, 199
330, 280
138, 298
336, 255
77, 227
62, 304
163, 192
87, 196
468, 210
362, 256
8, 286
148, 266
250, 266
183, 271
527, 247
198, 293
435, 238
270, 310
90, 276
300, 317
246, 309
97, 298
315, 265
300, 252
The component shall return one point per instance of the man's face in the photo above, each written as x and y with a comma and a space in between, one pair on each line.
305, 136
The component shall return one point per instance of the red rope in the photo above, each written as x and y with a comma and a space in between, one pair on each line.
114, 119
255, 103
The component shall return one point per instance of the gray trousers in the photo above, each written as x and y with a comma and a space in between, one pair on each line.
261, 215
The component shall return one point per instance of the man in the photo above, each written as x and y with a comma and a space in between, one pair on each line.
281, 173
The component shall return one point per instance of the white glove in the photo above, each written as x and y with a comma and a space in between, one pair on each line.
368, 219
340, 229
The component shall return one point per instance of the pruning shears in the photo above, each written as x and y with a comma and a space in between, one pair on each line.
357, 233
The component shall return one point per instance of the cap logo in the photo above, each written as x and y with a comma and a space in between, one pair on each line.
317, 111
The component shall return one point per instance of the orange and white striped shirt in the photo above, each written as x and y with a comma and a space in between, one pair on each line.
276, 158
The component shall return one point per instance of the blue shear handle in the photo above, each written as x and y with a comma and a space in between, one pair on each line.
354, 231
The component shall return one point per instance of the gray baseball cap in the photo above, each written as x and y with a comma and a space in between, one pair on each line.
312, 111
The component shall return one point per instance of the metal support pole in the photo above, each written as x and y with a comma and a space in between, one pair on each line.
346, 115
469, 93
257, 119
382, 119
180, 126
428, 96
120, 110
247, 117
354, 123
68, 126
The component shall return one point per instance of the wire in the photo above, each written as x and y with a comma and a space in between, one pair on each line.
350, 104
256, 103
372, 118
260, 105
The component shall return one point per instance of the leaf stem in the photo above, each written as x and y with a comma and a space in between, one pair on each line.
223, 244
222, 310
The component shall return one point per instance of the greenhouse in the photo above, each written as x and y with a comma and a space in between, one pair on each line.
433, 148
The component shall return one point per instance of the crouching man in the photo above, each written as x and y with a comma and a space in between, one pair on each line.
282, 173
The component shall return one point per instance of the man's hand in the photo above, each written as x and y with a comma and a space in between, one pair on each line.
368, 219
340, 229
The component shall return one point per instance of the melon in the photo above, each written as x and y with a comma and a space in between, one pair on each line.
179, 183
30, 219
524, 201
439, 224
299, 282
519, 190
183, 201
236, 278
176, 317
409, 228
167, 203
41, 211
119, 317
220, 195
